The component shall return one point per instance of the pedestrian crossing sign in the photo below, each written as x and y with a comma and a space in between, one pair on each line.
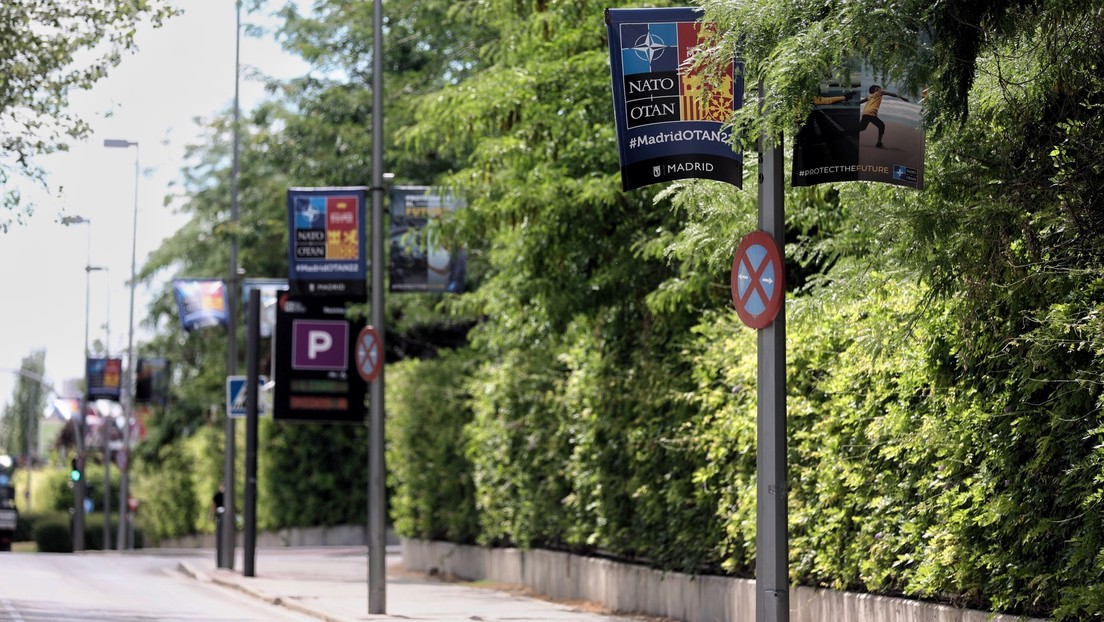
236, 395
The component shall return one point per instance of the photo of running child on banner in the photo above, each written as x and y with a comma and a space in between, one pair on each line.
861, 129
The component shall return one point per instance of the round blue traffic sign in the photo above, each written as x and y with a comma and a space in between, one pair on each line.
758, 280
369, 353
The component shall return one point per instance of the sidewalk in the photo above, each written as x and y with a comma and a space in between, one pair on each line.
331, 584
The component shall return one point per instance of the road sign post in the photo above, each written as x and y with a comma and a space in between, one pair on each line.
253, 339
377, 464
772, 586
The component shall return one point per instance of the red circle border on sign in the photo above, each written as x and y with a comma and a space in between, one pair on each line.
774, 255
376, 341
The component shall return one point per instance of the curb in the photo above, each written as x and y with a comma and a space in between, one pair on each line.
203, 577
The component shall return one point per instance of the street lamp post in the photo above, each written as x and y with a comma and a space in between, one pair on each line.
104, 429
81, 487
227, 548
128, 409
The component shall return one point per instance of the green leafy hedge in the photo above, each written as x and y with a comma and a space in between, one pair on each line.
902, 482
53, 533
428, 409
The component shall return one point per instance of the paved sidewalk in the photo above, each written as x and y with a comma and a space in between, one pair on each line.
331, 583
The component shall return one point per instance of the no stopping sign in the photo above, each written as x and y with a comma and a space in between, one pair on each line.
758, 280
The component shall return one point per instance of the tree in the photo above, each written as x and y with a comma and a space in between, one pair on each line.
19, 419
312, 132
51, 48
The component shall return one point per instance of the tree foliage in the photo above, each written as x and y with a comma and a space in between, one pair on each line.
52, 48
20, 417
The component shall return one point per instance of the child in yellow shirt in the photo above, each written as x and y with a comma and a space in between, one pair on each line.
873, 102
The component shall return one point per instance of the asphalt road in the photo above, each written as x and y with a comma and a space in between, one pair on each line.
42, 587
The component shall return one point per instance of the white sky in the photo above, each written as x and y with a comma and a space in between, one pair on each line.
181, 71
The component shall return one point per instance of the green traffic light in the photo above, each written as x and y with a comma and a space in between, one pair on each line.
74, 472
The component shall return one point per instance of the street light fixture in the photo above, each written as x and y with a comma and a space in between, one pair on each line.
128, 410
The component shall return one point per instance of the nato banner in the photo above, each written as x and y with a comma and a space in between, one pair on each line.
670, 118
417, 264
325, 242
104, 378
201, 303
861, 128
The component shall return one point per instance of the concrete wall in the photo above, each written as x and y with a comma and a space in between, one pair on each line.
627, 588
340, 535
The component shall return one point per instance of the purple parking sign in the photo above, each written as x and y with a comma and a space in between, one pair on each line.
320, 344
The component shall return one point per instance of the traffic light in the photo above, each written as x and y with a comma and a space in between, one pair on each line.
74, 471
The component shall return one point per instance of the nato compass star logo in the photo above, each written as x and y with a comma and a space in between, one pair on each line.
309, 214
650, 48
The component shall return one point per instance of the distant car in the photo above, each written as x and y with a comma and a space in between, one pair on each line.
9, 516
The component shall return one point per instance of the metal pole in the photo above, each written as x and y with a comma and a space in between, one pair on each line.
80, 489
30, 443
229, 528
253, 340
772, 592
128, 410
377, 511
107, 484
106, 448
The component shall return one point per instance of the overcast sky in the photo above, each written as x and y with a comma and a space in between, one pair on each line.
181, 71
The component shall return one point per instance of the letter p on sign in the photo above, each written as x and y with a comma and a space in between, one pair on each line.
320, 344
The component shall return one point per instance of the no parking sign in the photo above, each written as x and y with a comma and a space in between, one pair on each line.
758, 280
369, 353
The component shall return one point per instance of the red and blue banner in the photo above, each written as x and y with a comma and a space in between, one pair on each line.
670, 118
105, 378
326, 256
201, 303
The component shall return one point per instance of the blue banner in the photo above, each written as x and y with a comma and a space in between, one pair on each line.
670, 118
326, 255
201, 303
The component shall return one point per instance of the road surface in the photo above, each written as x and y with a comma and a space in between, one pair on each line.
43, 587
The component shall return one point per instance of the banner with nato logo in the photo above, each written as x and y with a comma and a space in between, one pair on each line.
201, 303
326, 255
418, 264
861, 128
670, 119
105, 376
